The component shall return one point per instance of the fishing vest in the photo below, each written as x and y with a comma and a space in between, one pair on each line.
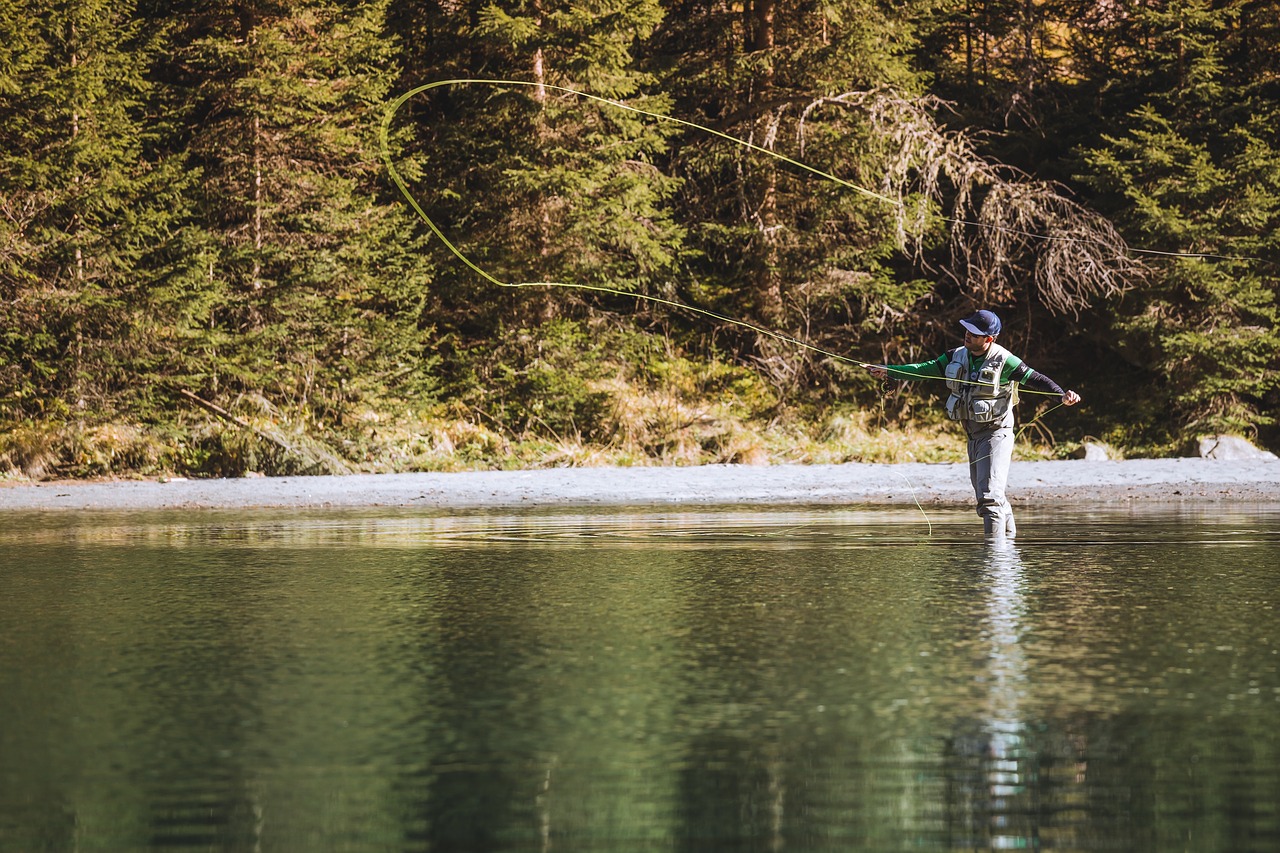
977, 395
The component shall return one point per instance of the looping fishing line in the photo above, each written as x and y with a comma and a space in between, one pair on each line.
398, 103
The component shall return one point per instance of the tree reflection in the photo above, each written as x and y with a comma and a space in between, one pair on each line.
829, 693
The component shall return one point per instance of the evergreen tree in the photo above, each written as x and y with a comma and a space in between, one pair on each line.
313, 277
775, 244
89, 212
536, 184
1196, 169
532, 182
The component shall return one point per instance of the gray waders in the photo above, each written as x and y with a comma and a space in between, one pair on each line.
990, 452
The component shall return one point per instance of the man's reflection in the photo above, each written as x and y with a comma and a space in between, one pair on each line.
991, 791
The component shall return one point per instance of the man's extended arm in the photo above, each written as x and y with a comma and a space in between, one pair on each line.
1037, 381
934, 369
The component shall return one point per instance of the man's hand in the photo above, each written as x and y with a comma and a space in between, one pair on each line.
1070, 398
877, 371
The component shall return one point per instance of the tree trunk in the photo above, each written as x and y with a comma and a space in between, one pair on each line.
257, 203
248, 22
768, 285
543, 303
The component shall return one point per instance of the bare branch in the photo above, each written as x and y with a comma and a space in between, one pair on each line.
1005, 225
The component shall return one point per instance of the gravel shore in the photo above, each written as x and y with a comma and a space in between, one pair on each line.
1074, 481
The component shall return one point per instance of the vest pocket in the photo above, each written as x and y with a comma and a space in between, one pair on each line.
983, 411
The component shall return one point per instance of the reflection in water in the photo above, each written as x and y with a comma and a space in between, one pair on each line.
799, 680
1010, 771
994, 772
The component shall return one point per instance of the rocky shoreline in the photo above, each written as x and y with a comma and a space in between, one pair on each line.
1066, 481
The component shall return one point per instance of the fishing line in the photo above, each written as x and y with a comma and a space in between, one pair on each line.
657, 300
799, 164
398, 103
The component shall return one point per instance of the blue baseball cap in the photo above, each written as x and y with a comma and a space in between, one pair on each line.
983, 323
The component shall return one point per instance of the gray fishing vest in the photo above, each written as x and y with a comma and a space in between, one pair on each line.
977, 395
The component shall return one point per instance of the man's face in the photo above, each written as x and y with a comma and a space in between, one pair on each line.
977, 344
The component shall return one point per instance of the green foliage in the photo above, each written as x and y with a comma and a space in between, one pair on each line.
89, 209
567, 384
1192, 172
532, 183
541, 381
310, 286
771, 244
192, 198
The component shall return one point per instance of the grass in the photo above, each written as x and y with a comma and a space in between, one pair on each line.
579, 398
649, 431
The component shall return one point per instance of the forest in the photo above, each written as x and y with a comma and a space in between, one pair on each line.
717, 210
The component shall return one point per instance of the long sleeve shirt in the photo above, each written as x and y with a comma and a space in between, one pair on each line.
1015, 370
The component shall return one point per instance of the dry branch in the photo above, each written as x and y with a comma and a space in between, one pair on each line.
1005, 225
314, 458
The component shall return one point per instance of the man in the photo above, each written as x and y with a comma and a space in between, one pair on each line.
982, 377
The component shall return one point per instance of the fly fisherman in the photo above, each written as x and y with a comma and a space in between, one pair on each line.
982, 377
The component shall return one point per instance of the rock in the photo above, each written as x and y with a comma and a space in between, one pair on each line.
1231, 447
1091, 452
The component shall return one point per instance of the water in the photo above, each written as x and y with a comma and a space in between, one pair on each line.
719, 680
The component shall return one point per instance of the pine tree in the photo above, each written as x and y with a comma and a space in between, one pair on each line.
1196, 169
314, 276
532, 182
89, 212
775, 244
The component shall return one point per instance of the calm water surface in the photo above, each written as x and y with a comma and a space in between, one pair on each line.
706, 680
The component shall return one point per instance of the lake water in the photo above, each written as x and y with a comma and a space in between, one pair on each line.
790, 679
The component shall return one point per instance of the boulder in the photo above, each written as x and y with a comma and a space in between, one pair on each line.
1231, 447
1091, 451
